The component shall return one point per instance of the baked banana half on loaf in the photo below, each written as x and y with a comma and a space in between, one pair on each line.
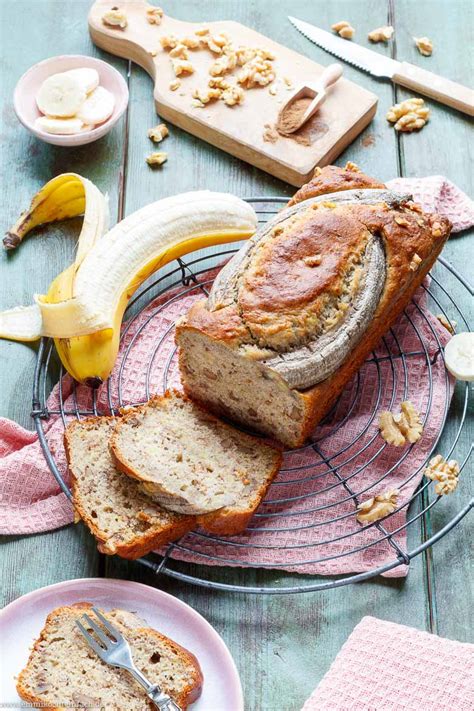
293, 315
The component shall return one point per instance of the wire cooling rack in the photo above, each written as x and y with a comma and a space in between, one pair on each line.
183, 278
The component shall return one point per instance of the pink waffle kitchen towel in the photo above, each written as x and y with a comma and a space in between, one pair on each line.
384, 666
306, 523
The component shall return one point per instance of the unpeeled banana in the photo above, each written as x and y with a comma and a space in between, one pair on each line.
84, 306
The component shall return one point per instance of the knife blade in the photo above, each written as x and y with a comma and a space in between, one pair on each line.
407, 75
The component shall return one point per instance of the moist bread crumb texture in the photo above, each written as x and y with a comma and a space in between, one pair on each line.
189, 461
290, 296
62, 669
122, 518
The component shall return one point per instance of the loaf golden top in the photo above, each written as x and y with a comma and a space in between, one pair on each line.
298, 281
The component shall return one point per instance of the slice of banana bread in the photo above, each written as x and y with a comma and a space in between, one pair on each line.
190, 462
63, 671
122, 518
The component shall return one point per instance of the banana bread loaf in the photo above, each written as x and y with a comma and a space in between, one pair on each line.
294, 314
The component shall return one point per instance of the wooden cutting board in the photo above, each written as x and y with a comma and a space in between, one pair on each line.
238, 130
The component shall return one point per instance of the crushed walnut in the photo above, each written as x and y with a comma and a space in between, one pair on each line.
313, 261
169, 41
351, 166
256, 66
409, 115
154, 15
448, 324
256, 72
182, 66
158, 133
215, 43
343, 29
157, 158
233, 96
377, 507
191, 42
207, 95
446, 473
415, 262
179, 52
115, 18
424, 46
402, 427
381, 34
175, 84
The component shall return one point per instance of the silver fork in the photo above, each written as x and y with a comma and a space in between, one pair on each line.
114, 650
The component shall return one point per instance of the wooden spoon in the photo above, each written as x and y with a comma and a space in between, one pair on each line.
317, 92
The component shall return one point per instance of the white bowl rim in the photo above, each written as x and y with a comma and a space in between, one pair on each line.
98, 129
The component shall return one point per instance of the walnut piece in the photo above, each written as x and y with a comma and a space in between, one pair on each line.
157, 158
409, 115
175, 84
343, 29
169, 41
415, 262
424, 45
158, 133
313, 261
233, 96
219, 83
350, 166
115, 18
449, 325
224, 64
154, 15
182, 66
191, 42
381, 34
402, 427
256, 72
207, 95
377, 507
179, 52
215, 43
202, 31
446, 473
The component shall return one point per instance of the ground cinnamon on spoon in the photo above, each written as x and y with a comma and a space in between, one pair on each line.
291, 116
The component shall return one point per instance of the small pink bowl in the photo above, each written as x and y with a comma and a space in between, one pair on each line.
25, 92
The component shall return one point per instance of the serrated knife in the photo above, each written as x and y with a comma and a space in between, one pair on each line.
407, 75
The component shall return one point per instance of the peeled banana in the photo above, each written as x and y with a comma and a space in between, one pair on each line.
84, 306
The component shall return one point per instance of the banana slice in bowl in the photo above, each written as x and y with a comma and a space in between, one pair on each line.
51, 89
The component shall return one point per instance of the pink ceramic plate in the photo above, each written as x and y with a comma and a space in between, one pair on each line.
22, 620
25, 92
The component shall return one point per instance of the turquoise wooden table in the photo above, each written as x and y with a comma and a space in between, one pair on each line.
282, 644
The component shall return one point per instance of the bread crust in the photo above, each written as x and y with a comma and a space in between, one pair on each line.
141, 544
332, 179
191, 693
412, 241
226, 521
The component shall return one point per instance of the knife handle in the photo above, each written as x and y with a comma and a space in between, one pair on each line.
443, 90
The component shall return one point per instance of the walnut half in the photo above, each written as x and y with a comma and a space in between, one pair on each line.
402, 427
409, 115
446, 473
377, 507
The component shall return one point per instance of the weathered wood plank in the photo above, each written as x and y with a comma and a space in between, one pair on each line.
444, 146
31, 32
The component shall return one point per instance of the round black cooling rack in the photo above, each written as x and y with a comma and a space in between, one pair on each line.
316, 493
